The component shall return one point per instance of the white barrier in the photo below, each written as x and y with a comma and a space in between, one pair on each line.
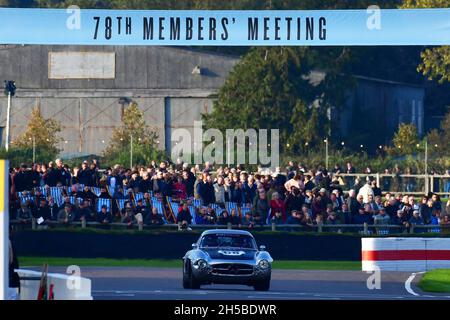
405, 254
63, 288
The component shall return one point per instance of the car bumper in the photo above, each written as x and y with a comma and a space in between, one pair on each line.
208, 275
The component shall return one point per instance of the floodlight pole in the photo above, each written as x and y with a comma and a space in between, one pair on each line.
131, 151
427, 184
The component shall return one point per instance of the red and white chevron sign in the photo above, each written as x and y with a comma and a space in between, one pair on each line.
405, 254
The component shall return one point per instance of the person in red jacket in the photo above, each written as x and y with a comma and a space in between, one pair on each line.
179, 189
277, 205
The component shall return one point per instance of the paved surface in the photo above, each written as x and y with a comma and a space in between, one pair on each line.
158, 283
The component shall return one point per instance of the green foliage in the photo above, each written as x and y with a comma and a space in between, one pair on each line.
144, 140
435, 61
217, 5
439, 140
405, 140
271, 88
42, 132
16, 156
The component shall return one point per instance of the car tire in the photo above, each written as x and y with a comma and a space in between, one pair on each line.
186, 280
263, 285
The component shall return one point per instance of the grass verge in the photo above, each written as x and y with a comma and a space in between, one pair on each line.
158, 263
436, 281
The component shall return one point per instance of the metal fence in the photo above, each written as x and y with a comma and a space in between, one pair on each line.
362, 229
405, 183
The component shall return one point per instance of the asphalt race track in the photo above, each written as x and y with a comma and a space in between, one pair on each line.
117, 283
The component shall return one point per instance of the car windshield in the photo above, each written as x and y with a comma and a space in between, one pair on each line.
228, 240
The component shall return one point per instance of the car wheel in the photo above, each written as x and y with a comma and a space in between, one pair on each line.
263, 285
186, 272
189, 281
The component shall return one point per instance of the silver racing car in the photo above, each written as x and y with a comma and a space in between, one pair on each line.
227, 257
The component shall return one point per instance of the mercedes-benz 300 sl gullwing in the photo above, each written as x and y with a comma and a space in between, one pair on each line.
227, 257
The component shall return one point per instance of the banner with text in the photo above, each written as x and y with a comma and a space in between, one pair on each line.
373, 26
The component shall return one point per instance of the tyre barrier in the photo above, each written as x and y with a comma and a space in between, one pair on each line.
64, 287
405, 254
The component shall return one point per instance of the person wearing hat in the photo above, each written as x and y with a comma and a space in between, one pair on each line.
416, 220
400, 219
24, 214
66, 215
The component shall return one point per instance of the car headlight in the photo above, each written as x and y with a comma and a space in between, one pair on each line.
201, 264
263, 264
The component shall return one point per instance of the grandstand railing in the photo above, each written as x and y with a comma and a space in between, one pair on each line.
362, 229
406, 183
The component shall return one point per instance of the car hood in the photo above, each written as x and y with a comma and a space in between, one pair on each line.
230, 253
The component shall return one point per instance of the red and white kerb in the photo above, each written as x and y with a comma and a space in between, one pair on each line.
405, 254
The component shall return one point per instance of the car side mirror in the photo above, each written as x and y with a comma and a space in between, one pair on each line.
262, 248
194, 246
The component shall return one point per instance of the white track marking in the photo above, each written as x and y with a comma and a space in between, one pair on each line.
409, 281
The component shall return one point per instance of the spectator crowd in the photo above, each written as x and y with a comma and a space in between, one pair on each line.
179, 193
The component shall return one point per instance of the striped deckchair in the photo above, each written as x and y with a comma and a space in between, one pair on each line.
196, 202
158, 205
22, 193
218, 209
138, 196
121, 203
56, 192
75, 200
174, 207
42, 189
192, 211
245, 209
101, 202
24, 198
231, 205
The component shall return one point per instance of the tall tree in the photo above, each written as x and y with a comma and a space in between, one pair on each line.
272, 88
43, 132
144, 139
405, 140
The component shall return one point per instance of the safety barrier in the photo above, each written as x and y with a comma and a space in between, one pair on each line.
405, 254
363, 229
65, 287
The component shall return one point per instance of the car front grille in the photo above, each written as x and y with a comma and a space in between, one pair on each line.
232, 269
